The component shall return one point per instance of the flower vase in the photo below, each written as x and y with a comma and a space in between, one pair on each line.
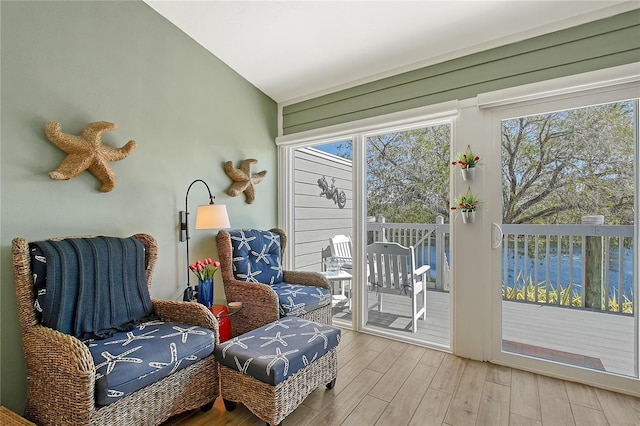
469, 216
468, 173
205, 292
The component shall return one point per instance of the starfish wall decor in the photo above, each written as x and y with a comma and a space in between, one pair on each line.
243, 179
87, 152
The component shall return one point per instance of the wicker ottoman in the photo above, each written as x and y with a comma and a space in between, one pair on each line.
272, 369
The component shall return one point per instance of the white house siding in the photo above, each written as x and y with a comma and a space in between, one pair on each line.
317, 218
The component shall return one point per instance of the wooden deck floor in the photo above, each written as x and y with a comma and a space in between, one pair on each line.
584, 338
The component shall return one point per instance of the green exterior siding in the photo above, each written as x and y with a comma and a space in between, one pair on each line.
588, 47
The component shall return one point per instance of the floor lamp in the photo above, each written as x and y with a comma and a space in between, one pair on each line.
211, 216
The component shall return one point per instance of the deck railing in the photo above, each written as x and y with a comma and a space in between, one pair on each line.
540, 263
556, 264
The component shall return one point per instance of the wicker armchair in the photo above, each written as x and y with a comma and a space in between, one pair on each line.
61, 373
260, 303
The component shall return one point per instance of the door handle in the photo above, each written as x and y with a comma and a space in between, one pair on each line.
496, 236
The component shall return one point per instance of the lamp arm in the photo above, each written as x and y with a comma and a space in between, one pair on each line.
184, 221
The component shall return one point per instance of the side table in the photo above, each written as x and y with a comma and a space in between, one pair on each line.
222, 314
339, 277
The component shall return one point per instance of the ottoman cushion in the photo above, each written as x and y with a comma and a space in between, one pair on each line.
278, 350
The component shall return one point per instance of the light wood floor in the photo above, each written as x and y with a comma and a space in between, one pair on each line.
389, 383
560, 334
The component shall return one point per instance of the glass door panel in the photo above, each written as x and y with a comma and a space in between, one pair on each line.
323, 188
407, 190
568, 219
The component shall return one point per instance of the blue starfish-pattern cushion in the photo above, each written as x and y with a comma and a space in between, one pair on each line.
256, 256
131, 360
278, 350
297, 299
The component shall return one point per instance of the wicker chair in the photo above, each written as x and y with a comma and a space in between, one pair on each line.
61, 373
260, 304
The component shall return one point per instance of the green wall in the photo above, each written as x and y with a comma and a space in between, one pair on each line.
588, 47
79, 62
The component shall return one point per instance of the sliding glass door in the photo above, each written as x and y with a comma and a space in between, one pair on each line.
323, 210
407, 205
567, 264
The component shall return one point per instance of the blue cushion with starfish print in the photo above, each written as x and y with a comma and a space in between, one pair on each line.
297, 299
276, 351
131, 360
256, 256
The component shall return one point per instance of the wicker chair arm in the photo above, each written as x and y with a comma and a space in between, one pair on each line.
186, 313
259, 305
60, 372
315, 279
45, 344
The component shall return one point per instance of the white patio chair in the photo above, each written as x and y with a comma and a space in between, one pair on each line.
392, 269
341, 250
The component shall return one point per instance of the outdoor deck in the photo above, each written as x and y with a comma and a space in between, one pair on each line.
579, 337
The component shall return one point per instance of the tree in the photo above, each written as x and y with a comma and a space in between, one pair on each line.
408, 174
560, 166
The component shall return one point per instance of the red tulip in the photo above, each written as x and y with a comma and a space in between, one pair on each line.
216, 264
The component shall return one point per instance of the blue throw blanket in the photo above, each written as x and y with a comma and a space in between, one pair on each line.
94, 285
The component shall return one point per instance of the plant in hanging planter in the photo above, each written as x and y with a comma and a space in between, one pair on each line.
466, 159
467, 203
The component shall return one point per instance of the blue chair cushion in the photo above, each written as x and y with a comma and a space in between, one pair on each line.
256, 256
297, 299
276, 351
131, 360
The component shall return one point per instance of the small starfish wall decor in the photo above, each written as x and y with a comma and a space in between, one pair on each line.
243, 179
87, 152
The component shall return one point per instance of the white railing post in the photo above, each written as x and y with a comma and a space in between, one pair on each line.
593, 271
440, 264
382, 234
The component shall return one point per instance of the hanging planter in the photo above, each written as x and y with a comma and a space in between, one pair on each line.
468, 173
467, 160
467, 203
468, 216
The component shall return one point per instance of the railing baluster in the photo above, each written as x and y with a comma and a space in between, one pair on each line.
558, 269
525, 265
607, 272
548, 267
583, 256
536, 266
440, 254
505, 262
620, 274
570, 268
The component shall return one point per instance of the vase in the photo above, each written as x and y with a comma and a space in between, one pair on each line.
205, 292
469, 216
468, 173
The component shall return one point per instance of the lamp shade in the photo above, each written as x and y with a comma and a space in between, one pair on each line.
212, 216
